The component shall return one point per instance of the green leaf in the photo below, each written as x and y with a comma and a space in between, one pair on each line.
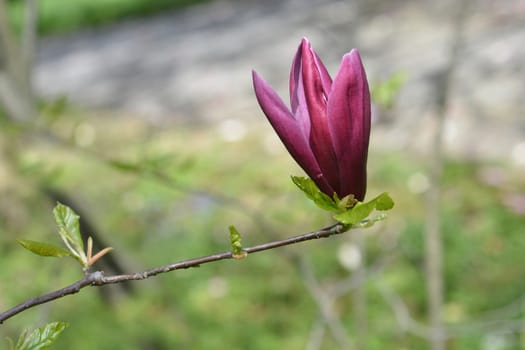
41, 338
359, 212
235, 243
384, 202
68, 225
362, 210
369, 222
43, 249
319, 198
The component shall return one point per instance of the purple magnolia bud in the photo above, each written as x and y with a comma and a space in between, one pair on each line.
327, 128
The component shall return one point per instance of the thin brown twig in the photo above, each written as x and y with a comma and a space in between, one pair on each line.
98, 279
333, 325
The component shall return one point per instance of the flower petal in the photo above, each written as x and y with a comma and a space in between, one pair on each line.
297, 98
289, 131
316, 99
296, 71
349, 120
326, 80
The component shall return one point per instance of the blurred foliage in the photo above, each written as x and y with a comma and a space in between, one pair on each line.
385, 93
58, 16
162, 195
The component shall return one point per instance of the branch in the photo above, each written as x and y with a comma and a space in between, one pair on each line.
15, 96
98, 279
496, 325
325, 305
28, 44
432, 231
315, 340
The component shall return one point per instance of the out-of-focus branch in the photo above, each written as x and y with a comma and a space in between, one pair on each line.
329, 296
408, 324
433, 236
402, 313
98, 278
360, 298
325, 305
354, 281
315, 340
10, 99
16, 95
29, 38
9, 50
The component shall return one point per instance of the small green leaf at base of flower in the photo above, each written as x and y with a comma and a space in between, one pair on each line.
236, 245
366, 223
41, 338
362, 210
347, 210
311, 191
43, 249
345, 203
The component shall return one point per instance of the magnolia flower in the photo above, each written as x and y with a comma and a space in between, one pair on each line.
328, 126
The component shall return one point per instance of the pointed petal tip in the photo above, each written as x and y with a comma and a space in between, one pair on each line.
353, 54
353, 59
305, 44
258, 82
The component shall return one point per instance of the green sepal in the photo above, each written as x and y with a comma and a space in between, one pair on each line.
43, 249
236, 244
68, 228
361, 210
311, 191
41, 338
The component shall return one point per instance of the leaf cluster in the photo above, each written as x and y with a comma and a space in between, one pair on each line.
347, 210
39, 339
69, 231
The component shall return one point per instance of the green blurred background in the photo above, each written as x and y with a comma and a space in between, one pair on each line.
164, 189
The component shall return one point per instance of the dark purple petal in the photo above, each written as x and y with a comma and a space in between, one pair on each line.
326, 80
289, 131
349, 120
296, 71
316, 100
295, 76
297, 98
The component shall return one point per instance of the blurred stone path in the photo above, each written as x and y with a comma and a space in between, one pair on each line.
195, 65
